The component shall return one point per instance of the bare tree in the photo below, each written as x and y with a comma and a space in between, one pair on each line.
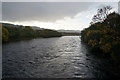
101, 14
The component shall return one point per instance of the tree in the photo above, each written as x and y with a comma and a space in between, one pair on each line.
5, 34
101, 15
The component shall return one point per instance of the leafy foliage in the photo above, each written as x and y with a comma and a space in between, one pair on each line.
5, 34
12, 32
104, 35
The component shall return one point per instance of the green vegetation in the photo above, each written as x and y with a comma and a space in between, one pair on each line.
70, 34
104, 33
16, 32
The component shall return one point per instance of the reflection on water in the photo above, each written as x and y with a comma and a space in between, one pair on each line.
63, 57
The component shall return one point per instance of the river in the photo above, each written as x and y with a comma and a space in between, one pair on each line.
61, 57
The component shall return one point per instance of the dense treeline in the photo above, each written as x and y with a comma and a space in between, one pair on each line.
70, 34
13, 32
104, 34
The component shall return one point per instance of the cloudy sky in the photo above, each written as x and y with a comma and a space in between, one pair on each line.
52, 15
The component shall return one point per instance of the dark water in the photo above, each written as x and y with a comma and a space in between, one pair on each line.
62, 57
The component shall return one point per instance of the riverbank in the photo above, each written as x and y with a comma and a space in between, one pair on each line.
104, 36
12, 32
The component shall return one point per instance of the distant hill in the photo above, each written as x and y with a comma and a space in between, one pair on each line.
36, 28
70, 32
12, 25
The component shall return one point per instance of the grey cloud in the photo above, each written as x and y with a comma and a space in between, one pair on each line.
0, 10
60, 0
42, 11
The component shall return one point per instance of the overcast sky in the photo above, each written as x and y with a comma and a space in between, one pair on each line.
52, 15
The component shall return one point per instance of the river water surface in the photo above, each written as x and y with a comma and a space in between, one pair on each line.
61, 57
